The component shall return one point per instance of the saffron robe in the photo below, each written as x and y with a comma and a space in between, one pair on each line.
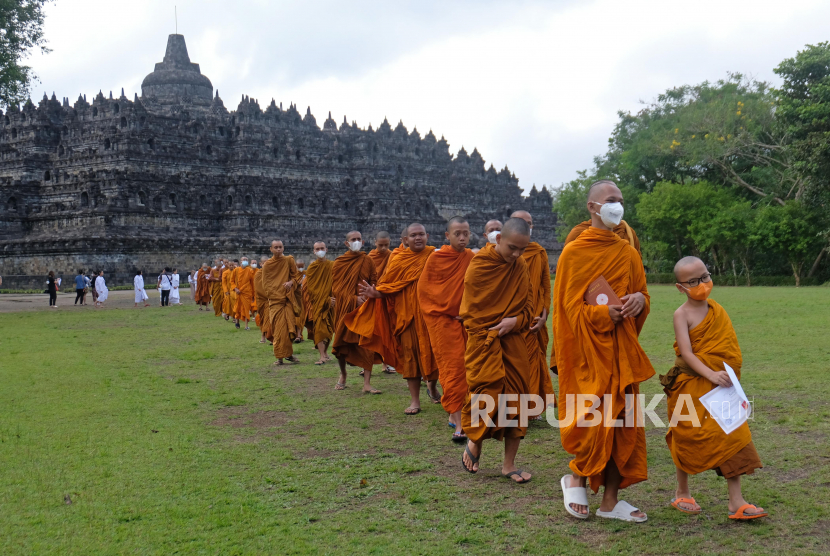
380, 260
202, 288
282, 303
349, 270
596, 356
495, 365
216, 295
697, 449
243, 280
263, 319
318, 284
440, 288
226, 291
397, 317
538, 271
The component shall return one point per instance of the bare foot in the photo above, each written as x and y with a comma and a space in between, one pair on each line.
371, 390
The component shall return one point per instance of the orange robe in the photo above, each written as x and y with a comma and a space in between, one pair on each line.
243, 280
282, 303
439, 295
697, 449
216, 295
203, 288
380, 259
495, 365
596, 356
538, 271
318, 283
302, 316
263, 319
349, 270
226, 291
231, 293
253, 297
397, 317
623, 231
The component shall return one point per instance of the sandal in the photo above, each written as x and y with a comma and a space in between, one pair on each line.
458, 436
473, 459
412, 411
740, 515
514, 473
574, 495
675, 502
372, 391
340, 386
320, 362
292, 359
432, 399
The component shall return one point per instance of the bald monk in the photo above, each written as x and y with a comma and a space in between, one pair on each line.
599, 354
352, 268
255, 268
392, 312
536, 336
203, 287
704, 340
496, 309
380, 254
232, 292
227, 310
242, 282
280, 279
262, 319
490, 230
215, 279
302, 317
318, 283
439, 294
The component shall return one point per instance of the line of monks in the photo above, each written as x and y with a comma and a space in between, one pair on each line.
476, 321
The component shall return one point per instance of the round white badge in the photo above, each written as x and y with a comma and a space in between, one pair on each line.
602, 299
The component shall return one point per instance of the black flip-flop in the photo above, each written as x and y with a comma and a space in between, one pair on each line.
416, 412
459, 436
519, 473
434, 400
473, 459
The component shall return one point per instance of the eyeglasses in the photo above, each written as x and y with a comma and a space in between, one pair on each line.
694, 282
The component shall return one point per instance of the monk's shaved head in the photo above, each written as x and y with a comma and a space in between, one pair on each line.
416, 237
354, 235
455, 220
524, 215
492, 225
513, 239
688, 267
277, 248
383, 235
599, 190
404, 232
515, 226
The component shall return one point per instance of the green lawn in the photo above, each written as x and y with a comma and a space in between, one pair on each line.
171, 433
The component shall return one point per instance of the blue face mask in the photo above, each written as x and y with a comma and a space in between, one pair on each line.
244, 264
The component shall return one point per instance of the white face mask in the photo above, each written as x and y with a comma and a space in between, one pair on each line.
491, 237
530, 233
253, 265
321, 254
244, 264
355, 245
611, 214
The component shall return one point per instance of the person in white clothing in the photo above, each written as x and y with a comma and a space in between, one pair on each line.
140, 295
101, 288
175, 299
192, 285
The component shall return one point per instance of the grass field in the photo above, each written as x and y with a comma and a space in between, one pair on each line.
171, 433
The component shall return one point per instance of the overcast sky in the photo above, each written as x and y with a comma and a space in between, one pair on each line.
535, 85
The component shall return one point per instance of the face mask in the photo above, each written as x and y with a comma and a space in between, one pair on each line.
611, 214
254, 265
530, 233
321, 254
491, 237
355, 245
699, 292
244, 264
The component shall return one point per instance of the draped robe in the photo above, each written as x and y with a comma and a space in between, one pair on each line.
380, 260
216, 295
243, 280
202, 289
263, 318
226, 291
538, 271
282, 303
349, 270
495, 365
596, 356
440, 288
318, 284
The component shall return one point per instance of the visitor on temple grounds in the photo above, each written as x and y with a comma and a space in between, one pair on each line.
165, 284
175, 298
80, 287
101, 289
52, 289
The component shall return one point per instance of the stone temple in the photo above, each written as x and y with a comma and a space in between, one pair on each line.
173, 178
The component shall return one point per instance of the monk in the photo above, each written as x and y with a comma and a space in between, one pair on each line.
280, 279
352, 268
704, 340
598, 354
203, 287
232, 292
242, 282
392, 312
262, 318
302, 317
623, 231
439, 295
496, 310
255, 268
536, 336
490, 229
318, 284
215, 279
380, 254
226, 289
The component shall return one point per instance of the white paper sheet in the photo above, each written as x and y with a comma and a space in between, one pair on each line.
729, 407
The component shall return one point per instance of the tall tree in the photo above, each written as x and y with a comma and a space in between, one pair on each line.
21, 30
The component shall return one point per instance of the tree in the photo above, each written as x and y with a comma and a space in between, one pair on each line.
793, 230
21, 29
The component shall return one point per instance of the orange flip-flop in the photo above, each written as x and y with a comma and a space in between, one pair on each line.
675, 502
741, 516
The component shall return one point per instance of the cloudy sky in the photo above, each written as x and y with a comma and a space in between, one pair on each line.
535, 85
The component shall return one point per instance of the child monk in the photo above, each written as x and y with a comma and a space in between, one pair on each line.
705, 340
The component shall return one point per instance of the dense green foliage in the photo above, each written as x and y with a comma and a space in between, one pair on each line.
735, 172
21, 30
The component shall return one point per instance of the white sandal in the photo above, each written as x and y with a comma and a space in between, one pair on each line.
574, 495
622, 511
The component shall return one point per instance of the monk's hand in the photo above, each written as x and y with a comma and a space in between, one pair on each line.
633, 304
720, 379
506, 325
360, 300
458, 318
288, 285
537, 325
236, 290
615, 312
332, 302
367, 291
